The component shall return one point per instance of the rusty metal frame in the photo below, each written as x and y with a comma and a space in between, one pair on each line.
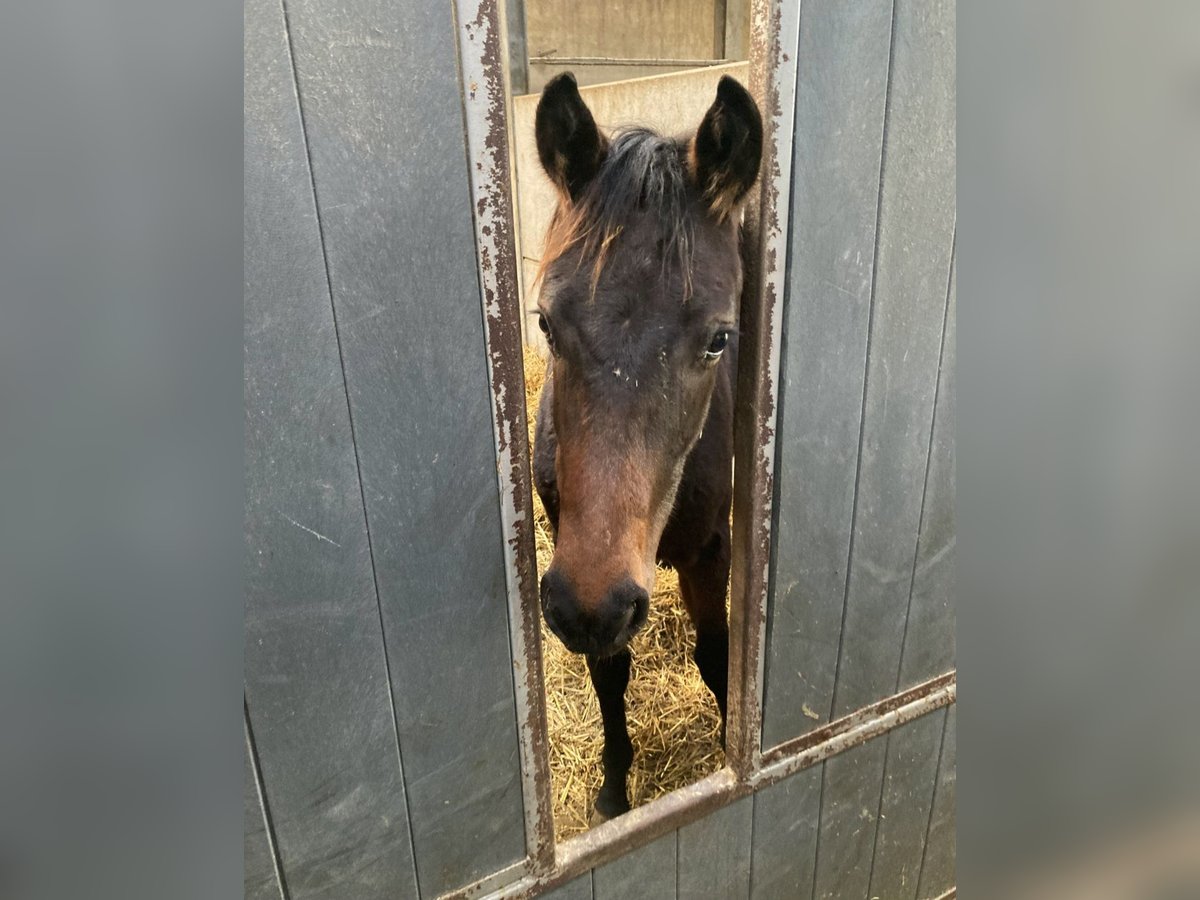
483, 58
644, 824
482, 41
774, 37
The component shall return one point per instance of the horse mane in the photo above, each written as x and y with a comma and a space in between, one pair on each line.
642, 171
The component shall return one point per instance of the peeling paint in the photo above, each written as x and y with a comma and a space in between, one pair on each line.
774, 37
486, 117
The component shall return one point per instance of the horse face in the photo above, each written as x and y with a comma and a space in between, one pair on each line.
639, 305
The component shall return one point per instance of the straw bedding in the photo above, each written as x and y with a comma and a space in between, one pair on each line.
673, 718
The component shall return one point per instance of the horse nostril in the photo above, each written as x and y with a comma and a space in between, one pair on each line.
559, 607
641, 608
627, 605
553, 588
552, 618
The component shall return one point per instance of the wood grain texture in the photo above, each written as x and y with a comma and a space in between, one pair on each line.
714, 854
315, 673
381, 100
786, 818
647, 873
842, 78
916, 222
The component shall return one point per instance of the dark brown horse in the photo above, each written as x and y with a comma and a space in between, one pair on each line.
641, 280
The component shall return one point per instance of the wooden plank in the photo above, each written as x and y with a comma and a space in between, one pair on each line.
736, 43
937, 870
315, 672
714, 853
577, 889
929, 640
647, 873
660, 29
384, 120
852, 801
843, 63
718, 41
258, 860
916, 222
786, 817
849, 808
908, 784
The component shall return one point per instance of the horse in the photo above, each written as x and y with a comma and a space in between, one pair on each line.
641, 281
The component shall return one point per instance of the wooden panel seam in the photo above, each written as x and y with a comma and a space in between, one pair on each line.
913, 578
287, 25
937, 388
263, 804
887, 108
929, 821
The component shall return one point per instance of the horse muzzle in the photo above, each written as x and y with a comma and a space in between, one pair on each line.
601, 628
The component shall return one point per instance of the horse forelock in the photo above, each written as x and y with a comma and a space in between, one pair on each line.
643, 172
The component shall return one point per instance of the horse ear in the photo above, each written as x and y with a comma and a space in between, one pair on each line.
726, 151
569, 144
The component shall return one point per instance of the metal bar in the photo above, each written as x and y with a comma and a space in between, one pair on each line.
859, 734
949, 895
626, 61
773, 83
486, 115
646, 823
854, 719
496, 883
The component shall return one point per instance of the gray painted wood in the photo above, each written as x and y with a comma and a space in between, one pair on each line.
315, 673
849, 812
853, 797
258, 863
714, 854
916, 223
842, 78
908, 784
380, 94
577, 889
647, 873
929, 641
786, 817
937, 871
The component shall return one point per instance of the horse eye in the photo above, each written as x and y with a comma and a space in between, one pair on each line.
545, 329
717, 345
